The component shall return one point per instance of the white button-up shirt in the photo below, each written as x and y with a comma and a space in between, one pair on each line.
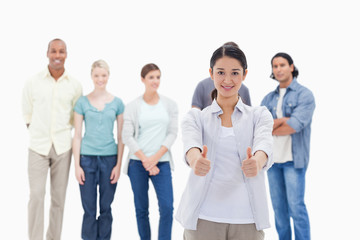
253, 128
47, 106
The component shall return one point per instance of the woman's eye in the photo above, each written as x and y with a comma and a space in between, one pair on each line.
221, 73
235, 73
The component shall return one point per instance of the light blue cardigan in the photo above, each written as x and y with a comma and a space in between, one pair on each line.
130, 130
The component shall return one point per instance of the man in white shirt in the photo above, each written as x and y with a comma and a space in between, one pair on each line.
47, 104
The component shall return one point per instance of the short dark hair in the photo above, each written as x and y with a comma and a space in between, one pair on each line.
295, 73
56, 39
148, 68
229, 51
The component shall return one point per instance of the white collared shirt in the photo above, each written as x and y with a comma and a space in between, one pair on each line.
47, 106
252, 127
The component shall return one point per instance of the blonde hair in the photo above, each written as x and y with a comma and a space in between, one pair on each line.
100, 64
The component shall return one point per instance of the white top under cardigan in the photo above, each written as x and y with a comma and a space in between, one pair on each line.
130, 130
252, 127
153, 122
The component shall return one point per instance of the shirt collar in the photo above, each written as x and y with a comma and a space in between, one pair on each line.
46, 73
293, 85
215, 108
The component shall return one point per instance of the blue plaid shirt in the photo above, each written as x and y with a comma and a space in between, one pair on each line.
298, 105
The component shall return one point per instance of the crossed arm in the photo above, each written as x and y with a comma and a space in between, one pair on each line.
281, 128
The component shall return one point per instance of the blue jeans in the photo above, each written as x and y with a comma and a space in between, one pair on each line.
287, 190
97, 172
162, 182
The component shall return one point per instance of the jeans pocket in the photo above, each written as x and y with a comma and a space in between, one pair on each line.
86, 161
111, 160
164, 168
132, 162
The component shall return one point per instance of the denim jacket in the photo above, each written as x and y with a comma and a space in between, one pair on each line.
298, 105
252, 127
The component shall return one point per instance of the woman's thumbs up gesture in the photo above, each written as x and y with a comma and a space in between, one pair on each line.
252, 165
198, 161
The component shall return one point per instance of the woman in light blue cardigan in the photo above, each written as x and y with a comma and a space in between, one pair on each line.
150, 128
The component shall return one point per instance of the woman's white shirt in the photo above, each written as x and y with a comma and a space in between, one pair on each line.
227, 200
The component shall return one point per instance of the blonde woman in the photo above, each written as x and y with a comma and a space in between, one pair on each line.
97, 156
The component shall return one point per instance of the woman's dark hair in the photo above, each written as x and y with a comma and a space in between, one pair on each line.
295, 73
148, 68
229, 51
231, 43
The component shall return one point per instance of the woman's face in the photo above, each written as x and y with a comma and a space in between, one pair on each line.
152, 80
227, 75
100, 77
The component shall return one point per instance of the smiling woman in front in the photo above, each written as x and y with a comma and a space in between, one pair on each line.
228, 146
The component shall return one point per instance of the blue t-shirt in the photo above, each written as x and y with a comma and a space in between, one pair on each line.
99, 139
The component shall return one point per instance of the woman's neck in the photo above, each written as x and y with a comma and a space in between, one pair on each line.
227, 104
151, 98
99, 92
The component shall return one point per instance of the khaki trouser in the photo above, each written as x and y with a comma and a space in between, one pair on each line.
38, 167
207, 230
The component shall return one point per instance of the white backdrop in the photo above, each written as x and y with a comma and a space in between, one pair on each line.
321, 36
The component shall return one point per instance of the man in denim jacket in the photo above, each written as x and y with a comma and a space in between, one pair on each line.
292, 106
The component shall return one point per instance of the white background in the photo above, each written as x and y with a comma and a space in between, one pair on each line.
321, 36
